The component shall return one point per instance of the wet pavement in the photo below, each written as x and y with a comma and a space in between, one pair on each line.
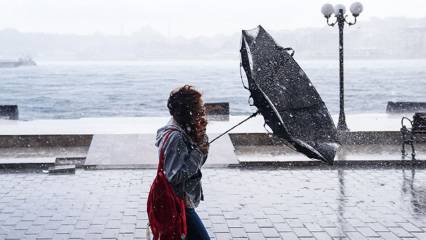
365, 152
265, 203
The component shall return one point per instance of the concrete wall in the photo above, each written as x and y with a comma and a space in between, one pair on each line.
238, 139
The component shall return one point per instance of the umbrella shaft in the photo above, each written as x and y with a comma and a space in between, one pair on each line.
251, 116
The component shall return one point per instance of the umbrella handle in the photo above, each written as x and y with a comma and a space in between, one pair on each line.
238, 124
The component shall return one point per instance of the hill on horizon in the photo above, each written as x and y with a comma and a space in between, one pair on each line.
376, 38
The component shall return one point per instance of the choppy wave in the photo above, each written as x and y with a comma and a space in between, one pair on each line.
56, 90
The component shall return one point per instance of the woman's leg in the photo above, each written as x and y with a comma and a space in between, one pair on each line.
196, 229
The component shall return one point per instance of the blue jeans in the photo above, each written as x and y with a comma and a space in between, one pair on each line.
195, 228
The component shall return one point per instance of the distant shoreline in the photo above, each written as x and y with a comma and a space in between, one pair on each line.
211, 60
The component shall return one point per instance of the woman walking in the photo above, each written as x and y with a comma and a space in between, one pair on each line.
185, 151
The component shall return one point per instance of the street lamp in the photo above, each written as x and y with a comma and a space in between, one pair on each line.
339, 11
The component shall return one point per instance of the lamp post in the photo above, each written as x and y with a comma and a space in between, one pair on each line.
340, 19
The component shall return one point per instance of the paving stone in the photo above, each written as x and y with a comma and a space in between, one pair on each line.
128, 219
11, 221
322, 236
57, 217
95, 229
64, 229
82, 225
258, 214
238, 232
367, 232
255, 236
140, 233
29, 217
302, 232
230, 215
215, 211
289, 236
378, 227
247, 219
295, 223
23, 225
94, 236
410, 227
61, 236
270, 232
34, 230
217, 218
125, 236
220, 228
313, 227
389, 236
326, 223
70, 221
251, 227
276, 218
232, 223
389, 223
49, 234
15, 235
127, 228
335, 232
263, 222
420, 235
282, 227
356, 236
53, 225
356, 222
78, 234
223, 236
99, 221
400, 232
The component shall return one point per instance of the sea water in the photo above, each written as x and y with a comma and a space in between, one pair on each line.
58, 90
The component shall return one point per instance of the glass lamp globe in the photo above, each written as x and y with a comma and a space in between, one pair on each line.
356, 9
327, 9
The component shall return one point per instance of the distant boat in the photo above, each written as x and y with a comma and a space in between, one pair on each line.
17, 63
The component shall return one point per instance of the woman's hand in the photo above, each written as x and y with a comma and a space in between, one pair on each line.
204, 146
201, 126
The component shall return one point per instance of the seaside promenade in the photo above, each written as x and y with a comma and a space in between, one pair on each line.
266, 192
109, 143
266, 203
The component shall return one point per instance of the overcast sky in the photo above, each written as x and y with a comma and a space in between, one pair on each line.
181, 17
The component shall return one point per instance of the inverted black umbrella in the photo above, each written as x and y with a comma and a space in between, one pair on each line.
286, 98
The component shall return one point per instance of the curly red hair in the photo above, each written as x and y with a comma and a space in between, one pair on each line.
186, 106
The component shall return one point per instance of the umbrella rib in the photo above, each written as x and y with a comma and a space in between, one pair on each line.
273, 107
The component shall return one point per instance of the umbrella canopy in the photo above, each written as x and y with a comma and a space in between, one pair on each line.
286, 98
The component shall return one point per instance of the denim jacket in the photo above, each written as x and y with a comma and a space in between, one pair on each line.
182, 163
